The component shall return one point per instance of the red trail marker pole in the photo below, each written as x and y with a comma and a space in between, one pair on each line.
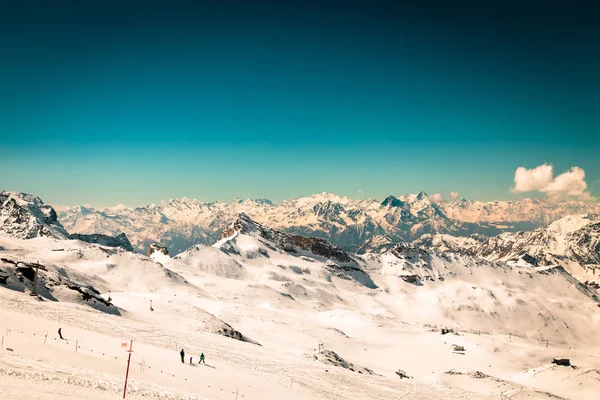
127, 373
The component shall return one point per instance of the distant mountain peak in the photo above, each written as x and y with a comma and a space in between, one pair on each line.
325, 196
392, 201
242, 224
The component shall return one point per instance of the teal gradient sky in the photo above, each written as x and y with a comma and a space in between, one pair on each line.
133, 105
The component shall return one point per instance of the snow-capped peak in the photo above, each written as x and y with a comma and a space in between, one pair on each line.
422, 195
24, 216
572, 223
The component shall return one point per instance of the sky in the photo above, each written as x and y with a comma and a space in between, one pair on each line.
131, 103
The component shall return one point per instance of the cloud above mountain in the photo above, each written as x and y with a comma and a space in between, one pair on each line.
541, 179
437, 198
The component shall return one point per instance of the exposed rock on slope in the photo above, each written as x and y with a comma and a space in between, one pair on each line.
119, 241
337, 261
215, 325
157, 248
332, 358
52, 285
287, 242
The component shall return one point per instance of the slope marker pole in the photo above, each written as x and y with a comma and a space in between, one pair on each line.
127, 373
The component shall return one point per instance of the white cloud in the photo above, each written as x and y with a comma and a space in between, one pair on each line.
454, 195
571, 182
532, 180
540, 179
437, 198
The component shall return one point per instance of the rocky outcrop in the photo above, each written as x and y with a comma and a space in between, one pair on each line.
157, 248
332, 358
110, 241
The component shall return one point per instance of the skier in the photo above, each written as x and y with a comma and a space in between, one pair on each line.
190, 360
202, 359
182, 353
60, 332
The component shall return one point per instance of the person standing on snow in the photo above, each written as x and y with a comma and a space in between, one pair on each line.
202, 359
182, 353
60, 332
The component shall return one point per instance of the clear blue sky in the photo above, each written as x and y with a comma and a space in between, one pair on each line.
132, 103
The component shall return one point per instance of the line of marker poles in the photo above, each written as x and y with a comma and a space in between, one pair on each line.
128, 361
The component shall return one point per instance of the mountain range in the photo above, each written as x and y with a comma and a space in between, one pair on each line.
281, 295
355, 225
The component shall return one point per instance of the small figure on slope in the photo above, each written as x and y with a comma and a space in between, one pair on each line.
182, 353
202, 359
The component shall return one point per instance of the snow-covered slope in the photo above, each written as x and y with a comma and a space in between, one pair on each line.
71, 271
352, 224
573, 242
250, 240
467, 292
369, 316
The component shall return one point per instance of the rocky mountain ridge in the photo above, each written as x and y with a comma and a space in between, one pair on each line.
249, 239
352, 224
572, 242
23, 216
